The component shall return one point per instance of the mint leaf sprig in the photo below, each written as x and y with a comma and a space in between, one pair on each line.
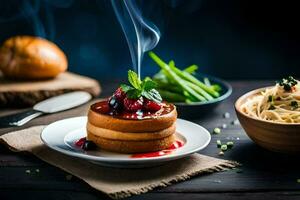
138, 88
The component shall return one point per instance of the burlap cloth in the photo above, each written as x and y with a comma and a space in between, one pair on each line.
116, 183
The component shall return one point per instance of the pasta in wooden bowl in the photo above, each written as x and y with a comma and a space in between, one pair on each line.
271, 116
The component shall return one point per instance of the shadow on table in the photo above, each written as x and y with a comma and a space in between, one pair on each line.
253, 156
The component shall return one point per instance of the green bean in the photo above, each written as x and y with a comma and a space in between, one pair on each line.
206, 82
171, 96
188, 101
189, 97
169, 87
194, 80
216, 87
170, 73
199, 90
192, 85
191, 69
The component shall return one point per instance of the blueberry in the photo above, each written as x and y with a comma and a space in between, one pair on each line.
89, 145
114, 103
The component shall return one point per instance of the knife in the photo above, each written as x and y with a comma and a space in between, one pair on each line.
51, 105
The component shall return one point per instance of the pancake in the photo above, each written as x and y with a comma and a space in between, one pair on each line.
118, 135
126, 134
150, 124
133, 146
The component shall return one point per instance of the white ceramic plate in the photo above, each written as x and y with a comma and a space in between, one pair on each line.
62, 135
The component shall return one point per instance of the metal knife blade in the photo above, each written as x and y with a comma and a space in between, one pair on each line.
51, 105
62, 102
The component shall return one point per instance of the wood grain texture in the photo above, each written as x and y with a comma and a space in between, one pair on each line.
263, 175
26, 93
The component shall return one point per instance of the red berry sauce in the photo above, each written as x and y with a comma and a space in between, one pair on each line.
176, 145
102, 107
80, 142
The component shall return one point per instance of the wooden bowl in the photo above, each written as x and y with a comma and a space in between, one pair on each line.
277, 137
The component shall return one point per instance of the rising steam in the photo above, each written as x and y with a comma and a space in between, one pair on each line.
141, 36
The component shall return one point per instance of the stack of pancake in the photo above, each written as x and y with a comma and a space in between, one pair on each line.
132, 135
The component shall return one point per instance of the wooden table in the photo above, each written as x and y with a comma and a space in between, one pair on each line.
263, 175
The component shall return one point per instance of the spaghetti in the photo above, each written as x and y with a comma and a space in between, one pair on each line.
276, 104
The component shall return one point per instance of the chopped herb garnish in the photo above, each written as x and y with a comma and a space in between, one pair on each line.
219, 144
224, 147
294, 104
229, 144
271, 101
287, 83
217, 131
270, 98
272, 107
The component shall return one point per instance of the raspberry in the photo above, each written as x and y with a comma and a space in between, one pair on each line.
133, 105
119, 94
151, 105
80, 142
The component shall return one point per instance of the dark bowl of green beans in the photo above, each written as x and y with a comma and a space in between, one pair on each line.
199, 109
194, 94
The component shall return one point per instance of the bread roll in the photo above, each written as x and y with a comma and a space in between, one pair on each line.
27, 57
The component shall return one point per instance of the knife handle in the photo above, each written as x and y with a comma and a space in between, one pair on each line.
19, 119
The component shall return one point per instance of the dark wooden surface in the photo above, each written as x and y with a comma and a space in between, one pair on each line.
263, 175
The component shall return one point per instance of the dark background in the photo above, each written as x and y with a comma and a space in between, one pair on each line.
231, 39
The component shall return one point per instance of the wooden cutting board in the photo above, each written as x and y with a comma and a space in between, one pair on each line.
27, 93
